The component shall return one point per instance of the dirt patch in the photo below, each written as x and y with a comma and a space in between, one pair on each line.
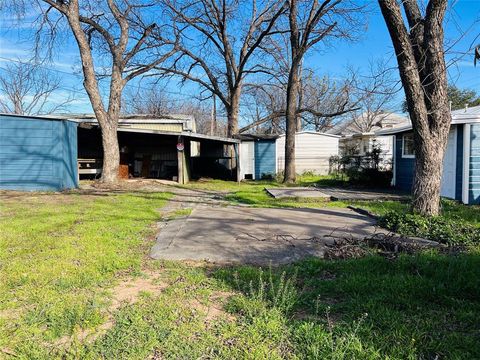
9, 314
126, 292
214, 310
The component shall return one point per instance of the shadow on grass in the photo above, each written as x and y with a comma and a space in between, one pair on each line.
421, 306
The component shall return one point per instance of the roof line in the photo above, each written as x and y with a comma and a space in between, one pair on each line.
183, 133
43, 117
315, 133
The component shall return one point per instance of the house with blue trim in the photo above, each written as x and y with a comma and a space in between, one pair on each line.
461, 164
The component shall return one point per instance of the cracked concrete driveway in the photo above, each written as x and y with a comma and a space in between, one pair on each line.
250, 235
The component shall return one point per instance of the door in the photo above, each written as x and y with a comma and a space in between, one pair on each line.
449, 166
265, 159
247, 160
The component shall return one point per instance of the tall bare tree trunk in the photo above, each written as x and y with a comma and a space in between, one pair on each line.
428, 176
232, 112
111, 152
421, 63
291, 119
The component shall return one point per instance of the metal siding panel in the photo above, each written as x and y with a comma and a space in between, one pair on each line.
70, 167
264, 158
474, 179
161, 127
34, 153
313, 151
18, 123
24, 141
38, 133
459, 170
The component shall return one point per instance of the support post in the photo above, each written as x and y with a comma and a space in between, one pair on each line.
180, 149
237, 160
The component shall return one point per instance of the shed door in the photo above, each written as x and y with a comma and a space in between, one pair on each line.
265, 158
449, 166
247, 159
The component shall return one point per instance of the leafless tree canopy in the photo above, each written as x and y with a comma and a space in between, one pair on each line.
374, 94
321, 102
309, 24
217, 46
29, 89
153, 100
115, 42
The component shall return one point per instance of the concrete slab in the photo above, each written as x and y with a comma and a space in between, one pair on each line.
292, 192
358, 194
336, 193
256, 235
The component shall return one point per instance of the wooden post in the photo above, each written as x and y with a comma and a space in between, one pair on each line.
180, 159
237, 159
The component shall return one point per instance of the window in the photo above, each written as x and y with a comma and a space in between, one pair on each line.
408, 150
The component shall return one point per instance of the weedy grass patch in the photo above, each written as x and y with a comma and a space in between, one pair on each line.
63, 256
58, 254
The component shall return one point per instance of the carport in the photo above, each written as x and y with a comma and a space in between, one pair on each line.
157, 154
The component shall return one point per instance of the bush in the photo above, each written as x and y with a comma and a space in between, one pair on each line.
447, 231
370, 177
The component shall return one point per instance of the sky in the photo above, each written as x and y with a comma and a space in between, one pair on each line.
16, 41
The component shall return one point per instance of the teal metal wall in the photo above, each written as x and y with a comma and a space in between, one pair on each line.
265, 158
37, 153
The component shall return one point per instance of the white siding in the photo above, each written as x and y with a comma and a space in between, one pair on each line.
312, 152
247, 159
364, 144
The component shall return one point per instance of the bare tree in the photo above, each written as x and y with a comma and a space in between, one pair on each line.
421, 61
218, 45
309, 23
28, 89
115, 34
153, 100
375, 95
322, 101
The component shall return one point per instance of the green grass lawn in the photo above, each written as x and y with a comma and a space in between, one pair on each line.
63, 255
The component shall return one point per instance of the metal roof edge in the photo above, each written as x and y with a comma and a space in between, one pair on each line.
183, 133
42, 117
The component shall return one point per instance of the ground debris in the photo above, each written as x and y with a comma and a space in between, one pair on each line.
347, 248
389, 245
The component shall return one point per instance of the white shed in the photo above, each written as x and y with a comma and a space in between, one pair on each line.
312, 151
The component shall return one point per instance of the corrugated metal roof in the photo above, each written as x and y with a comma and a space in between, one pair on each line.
183, 133
473, 111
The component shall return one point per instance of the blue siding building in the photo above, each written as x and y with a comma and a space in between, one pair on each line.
37, 153
265, 158
461, 173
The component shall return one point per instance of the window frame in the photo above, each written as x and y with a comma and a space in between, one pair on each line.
407, 156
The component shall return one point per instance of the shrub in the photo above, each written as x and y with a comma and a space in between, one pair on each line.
438, 228
370, 177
